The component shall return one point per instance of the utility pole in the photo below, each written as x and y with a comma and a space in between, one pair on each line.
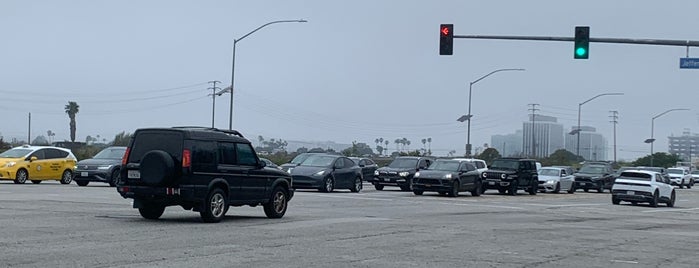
213, 100
615, 121
533, 109
29, 132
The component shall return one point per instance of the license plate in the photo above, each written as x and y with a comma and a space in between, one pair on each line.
491, 182
83, 174
386, 179
428, 185
629, 192
133, 174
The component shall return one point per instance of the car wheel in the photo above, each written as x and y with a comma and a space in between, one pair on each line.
82, 183
533, 187
276, 207
634, 203
357, 185
328, 185
689, 185
654, 201
513, 187
502, 190
671, 203
67, 177
442, 193
36, 181
615, 200
378, 187
151, 211
418, 192
116, 176
477, 188
681, 185
600, 188
558, 188
214, 206
21, 176
454, 189
586, 190
572, 188
408, 187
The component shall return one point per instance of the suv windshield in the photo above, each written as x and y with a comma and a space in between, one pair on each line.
110, 153
445, 165
549, 172
318, 160
636, 176
403, 163
592, 169
505, 164
14, 153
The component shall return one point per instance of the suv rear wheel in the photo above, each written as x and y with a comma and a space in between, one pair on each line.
513, 187
276, 207
214, 206
357, 185
533, 186
151, 211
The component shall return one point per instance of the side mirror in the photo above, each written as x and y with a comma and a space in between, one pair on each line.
33, 158
362, 165
262, 164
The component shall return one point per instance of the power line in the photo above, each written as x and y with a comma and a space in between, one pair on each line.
213, 100
533, 109
615, 121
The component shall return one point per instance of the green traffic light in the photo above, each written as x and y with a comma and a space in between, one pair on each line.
581, 51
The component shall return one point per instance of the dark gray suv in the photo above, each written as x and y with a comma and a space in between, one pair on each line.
201, 169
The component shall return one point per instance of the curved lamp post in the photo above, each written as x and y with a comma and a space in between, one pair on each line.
652, 128
232, 87
469, 115
577, 131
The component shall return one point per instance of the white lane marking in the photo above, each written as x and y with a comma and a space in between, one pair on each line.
482, 205
347, 197
565, 205
669, 210
629, 262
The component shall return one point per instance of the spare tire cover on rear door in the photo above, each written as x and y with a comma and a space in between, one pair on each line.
156, 167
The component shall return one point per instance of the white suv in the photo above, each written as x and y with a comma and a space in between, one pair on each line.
643, 186
480, 164
680, 177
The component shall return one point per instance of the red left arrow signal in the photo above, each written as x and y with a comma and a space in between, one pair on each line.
445, 31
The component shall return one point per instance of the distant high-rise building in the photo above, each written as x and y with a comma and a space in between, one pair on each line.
508, 145
685, 145
593, 146
548, 136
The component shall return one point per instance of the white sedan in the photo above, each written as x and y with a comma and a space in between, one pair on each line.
556, 179
643, 186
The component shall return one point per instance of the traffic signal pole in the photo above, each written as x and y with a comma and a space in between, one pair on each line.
658, 42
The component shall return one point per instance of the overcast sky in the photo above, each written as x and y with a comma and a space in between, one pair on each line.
357, 70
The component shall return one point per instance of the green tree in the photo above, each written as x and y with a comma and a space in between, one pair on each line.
72, 109
659, 160
562, 157
488, 155
357, 149
122, 139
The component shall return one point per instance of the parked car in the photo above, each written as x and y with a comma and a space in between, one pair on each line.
105, 167
326, 173
36, 164
507, 175
269, 163
448, 177
296, 161
481, 166
643, 186
680, 176
200, 169
368, 166
596, 176
695, 175
400, 172
556, 179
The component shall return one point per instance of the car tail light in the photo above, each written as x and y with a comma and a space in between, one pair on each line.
126, 156
124, 189
186, 158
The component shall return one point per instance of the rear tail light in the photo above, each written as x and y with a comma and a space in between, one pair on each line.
126, 156
186, 158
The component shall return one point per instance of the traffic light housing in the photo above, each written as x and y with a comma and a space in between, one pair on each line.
446, 39
582, 42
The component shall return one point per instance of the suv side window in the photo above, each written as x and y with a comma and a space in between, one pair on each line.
339, 163
479, 164
348, 162
423, 164
245, 154
470, 166
204, 156
369, 162
226, 153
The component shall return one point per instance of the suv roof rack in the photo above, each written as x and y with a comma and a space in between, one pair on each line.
229, 132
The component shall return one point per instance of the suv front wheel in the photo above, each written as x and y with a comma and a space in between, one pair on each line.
276, 207
214, 206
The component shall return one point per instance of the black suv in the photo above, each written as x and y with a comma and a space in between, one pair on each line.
202, 169
400, 172
595, 175
507, 175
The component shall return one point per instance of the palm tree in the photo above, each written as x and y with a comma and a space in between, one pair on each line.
386, 142
424, 150
72, 109
429, 145
397, 141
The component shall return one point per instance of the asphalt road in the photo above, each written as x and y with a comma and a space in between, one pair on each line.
53, 225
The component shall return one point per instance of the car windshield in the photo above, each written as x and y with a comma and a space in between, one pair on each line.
549, 172
675, 171
318, 161
651, 169
110, 153
445, 166
636, 176
504, 164
403, 163
15, 153
300, 158
696, 172
592, 169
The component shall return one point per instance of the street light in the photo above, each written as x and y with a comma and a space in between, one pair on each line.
652, 128
469, 115
235, 41
577, 131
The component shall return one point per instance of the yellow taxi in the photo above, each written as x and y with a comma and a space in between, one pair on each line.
37, 163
